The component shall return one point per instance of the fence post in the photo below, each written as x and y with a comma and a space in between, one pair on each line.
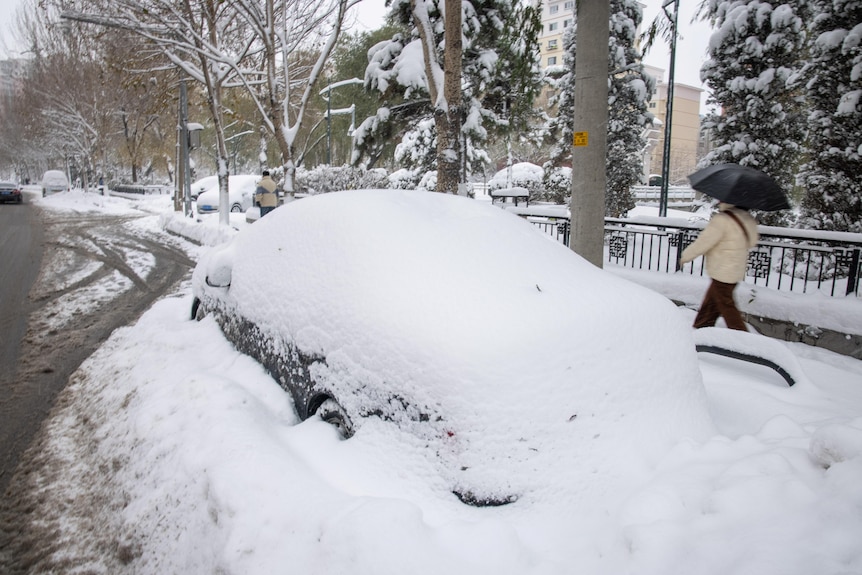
853, 275
680, 238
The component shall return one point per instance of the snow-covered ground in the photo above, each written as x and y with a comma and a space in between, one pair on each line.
211, 472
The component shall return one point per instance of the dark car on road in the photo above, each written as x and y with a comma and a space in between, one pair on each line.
10, 192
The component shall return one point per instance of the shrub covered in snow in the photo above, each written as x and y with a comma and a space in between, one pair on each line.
522, 175
405, 179
323, 179
557, 182
402, 179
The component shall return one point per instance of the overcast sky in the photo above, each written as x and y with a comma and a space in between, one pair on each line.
7, 17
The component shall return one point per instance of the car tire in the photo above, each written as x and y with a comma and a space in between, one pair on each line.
332, 413
197, 311
236, 208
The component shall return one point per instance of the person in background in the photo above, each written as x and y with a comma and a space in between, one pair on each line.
265, 194
724, 242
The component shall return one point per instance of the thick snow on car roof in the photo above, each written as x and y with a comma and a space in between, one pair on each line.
522, 349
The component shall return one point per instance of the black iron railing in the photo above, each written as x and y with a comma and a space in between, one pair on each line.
784, 259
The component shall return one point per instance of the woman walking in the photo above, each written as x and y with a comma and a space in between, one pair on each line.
724, 242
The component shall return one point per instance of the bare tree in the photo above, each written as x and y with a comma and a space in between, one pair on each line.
68, 86
82, 101
297, 38
259, 46
200, 37
141, 101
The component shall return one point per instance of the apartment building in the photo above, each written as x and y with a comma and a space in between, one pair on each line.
685, 132
557, 17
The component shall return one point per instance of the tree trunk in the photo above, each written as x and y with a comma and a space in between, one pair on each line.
214, 89
447, 115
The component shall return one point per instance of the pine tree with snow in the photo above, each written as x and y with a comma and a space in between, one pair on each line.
832, 178
629, 92
499, 79
755, 54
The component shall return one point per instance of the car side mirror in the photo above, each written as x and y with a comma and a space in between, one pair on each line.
217, 283
219, 276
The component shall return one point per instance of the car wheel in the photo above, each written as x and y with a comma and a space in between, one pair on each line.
197, 311
332, 413
236, 208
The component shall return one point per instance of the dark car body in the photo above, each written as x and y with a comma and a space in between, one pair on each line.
10, 192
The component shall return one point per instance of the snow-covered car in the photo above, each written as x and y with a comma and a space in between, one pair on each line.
356, 303
53, 182
10, 192
200, 186
240, 195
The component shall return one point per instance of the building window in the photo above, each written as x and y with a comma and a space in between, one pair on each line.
552, 60
553, 8
552, 44
569, 5
653, 105
553, 26
567, 22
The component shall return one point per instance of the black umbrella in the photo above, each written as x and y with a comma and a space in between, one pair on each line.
741, 186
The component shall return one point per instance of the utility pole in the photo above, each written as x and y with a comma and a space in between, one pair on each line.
668, 120
589, 151
184, 150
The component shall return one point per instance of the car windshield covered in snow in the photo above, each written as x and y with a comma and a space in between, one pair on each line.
462, 329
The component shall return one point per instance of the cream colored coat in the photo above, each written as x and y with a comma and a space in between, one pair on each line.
267, 199
724, 244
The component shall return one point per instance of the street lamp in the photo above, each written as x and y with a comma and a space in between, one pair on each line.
665, 158
190, 139
330, 112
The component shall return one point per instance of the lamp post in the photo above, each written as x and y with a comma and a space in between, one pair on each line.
665, 158
190, 138
330, 112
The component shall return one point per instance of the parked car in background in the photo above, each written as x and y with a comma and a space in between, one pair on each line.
202, 185
240, 195
54, 181
10, 192
460, 328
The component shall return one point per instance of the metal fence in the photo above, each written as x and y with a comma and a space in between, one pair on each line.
785, 259
683, 194
141, 189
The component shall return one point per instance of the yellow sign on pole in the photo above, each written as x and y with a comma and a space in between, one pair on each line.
581, 139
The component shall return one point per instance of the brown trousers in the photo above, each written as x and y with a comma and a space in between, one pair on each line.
718, 301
